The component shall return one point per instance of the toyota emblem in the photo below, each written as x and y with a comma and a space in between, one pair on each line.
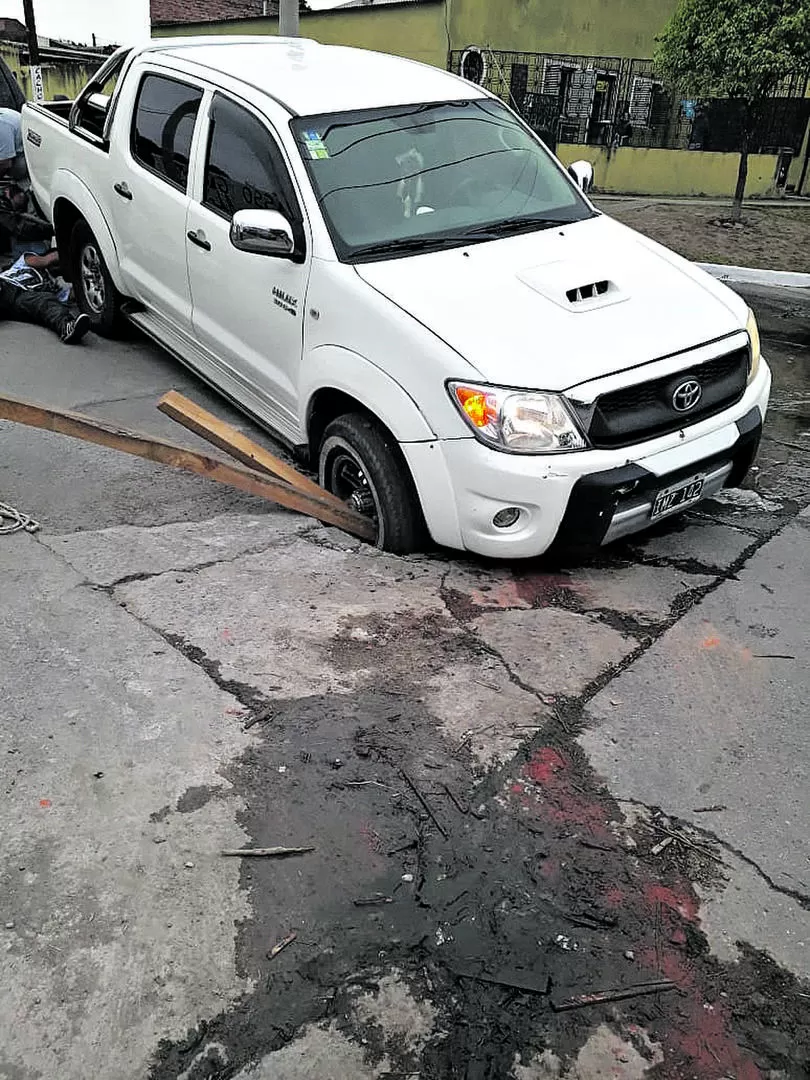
687, 395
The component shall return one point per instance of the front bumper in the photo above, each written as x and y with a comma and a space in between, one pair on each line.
606, 506
580, 499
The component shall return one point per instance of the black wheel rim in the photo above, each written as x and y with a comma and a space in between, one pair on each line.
348, 481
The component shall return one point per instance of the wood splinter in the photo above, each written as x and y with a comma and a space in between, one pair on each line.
267, 852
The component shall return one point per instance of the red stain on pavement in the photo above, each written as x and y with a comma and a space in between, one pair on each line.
711, 643
658, 919
557, 798
544, 764
683, 902
540, 590
503, 595
45, 803
615, 896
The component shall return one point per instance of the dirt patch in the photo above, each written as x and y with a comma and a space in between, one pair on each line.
771, 238
504, 902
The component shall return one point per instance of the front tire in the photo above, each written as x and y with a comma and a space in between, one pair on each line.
93, 287
360, 462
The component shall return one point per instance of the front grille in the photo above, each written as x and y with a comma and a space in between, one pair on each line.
644, 411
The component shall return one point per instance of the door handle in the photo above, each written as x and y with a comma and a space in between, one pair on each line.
198, 238
123, 191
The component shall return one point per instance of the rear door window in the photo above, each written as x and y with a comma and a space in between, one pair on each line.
163, 127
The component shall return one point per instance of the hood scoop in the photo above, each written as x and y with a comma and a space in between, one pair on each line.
587, 292
576, 289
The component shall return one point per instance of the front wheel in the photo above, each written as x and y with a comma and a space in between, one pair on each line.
95, 292
360, 463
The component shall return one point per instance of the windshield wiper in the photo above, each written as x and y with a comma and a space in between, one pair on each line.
516, 225
412, 245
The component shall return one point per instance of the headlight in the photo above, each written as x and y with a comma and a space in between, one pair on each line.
753, 336
519, 422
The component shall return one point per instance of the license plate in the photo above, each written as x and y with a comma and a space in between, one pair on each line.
676, 497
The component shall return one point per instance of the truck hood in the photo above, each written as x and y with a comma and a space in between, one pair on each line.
552, 309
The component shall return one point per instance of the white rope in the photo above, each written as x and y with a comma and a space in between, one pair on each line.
12, 520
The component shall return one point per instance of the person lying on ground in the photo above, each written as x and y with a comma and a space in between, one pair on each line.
28, 294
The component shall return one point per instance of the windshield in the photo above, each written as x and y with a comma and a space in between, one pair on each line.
423, 177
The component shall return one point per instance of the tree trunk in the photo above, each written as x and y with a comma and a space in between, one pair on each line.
742, 177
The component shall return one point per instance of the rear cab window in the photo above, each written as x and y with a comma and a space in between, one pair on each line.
163, 127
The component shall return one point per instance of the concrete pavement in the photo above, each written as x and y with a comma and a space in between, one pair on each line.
557, 725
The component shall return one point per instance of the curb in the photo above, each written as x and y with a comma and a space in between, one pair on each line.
746, 275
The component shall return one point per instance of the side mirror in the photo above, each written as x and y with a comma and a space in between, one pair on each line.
582, 173
262, 232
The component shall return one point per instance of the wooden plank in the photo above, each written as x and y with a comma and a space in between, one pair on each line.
236, 444
166, 453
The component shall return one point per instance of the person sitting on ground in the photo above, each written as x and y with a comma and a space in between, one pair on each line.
12, 158
29, 294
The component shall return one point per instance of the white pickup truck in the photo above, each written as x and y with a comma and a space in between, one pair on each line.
383, 265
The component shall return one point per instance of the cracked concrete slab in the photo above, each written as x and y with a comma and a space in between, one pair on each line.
694, 541
606, 1054
305, 619
479, 705
322, 1052
552, 651
714, 714
744, 908
106, 556
110, 939
648, 594
396, 1025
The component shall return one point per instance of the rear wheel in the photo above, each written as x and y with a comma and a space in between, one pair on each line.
360, 463
95, 292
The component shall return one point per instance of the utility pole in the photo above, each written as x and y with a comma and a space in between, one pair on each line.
37, 88
288, 25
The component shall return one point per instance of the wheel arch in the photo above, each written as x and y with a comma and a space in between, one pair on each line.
341, 381
75, 203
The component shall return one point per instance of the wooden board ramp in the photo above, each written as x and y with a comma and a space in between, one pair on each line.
264, 479
237, 445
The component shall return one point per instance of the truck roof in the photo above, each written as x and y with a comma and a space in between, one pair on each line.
309, 78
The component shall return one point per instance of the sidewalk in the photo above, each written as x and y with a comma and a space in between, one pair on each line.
789, 202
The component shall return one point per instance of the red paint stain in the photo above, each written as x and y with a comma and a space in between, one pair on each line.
544, 764
503, 595
540, 590
45, 803
615, 896
557, 801
711, 643
694, 1032
683, 901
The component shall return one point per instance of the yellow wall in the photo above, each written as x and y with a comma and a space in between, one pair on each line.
598, 27
63, 77
417, 32
634, 170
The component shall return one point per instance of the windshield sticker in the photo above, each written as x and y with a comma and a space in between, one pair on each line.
315, 145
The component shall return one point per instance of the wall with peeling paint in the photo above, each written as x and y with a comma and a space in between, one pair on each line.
59, 76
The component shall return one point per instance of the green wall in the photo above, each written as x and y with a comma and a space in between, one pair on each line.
416, 31
60, 77
639, 171
420, 31
597, 27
